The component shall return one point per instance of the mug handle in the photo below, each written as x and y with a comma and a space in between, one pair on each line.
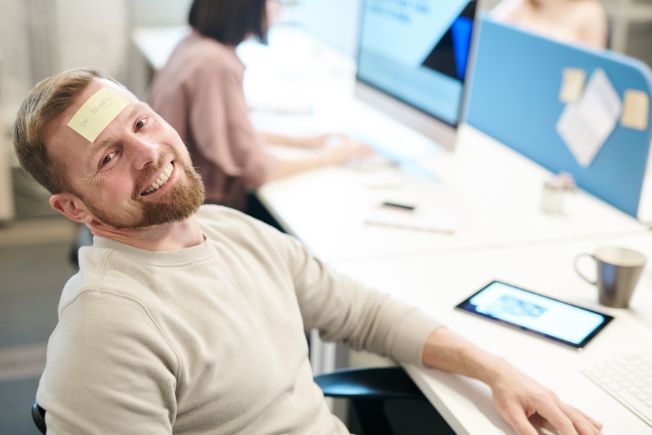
577, 269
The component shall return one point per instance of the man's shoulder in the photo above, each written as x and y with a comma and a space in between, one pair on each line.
110, 271
89, 288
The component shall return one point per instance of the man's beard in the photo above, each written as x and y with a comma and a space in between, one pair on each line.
183, 199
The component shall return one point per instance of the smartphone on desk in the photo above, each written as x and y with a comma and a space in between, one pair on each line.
535, 313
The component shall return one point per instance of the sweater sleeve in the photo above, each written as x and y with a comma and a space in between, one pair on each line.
222, 130
343, 309
110, 370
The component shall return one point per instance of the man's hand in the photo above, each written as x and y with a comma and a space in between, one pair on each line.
518, 397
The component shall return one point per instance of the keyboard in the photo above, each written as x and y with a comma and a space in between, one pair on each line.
628, 379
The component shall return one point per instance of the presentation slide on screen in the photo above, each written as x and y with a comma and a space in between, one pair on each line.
417, 51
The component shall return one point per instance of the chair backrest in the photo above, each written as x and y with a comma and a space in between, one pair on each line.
38, 415
375, 394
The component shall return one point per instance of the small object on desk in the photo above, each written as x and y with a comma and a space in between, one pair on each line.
555, 191
398, 205
411, 217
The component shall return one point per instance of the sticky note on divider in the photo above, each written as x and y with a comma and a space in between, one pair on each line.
97, 112
636, 110
572, 84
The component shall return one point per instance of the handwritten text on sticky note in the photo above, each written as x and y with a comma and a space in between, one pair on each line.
97, 112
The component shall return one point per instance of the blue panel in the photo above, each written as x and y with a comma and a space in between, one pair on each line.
514, 98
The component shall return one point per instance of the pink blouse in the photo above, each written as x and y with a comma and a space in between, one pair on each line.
199, 92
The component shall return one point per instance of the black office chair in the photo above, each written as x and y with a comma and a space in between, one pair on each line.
368, 389
375, 395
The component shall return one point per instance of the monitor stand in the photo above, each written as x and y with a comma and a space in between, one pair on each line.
438, 131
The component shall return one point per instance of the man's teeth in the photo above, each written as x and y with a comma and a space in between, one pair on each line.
160, 181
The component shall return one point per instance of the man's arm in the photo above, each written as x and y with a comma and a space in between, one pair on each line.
516, 396
342, 309
109, 370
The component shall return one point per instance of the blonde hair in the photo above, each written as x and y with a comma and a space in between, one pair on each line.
45, 102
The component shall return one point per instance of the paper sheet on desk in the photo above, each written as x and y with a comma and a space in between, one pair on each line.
419, 219
586, 124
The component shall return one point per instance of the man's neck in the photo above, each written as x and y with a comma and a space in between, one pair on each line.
165, 237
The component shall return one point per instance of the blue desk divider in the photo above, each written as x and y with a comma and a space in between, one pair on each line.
514, 97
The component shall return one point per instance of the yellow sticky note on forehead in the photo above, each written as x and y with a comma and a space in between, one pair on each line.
97, 112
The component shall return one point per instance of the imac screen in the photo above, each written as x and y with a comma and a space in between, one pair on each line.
417, 51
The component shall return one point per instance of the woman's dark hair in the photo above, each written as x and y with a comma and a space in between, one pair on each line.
229, 21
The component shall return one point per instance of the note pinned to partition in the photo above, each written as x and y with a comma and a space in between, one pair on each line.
586, 124
636, 110
572, 84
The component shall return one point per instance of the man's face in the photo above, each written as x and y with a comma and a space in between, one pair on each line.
136, 173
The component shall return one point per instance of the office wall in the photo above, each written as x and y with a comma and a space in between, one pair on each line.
159, 12
15, 68
92, 33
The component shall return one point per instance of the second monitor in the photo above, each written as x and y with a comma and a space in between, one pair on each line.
416, 53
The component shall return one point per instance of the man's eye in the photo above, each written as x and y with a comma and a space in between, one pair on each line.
139, 124
107, 159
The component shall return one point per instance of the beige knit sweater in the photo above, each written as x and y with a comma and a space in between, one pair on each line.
209, 339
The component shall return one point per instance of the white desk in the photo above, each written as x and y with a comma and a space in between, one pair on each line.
438, 282
493, 194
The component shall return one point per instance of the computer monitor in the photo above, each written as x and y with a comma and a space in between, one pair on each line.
412, 61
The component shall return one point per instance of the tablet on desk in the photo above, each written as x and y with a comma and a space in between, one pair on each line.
535, 313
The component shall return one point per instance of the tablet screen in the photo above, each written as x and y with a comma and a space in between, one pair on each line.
543, 315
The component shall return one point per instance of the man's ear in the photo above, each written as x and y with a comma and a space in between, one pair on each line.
71, 207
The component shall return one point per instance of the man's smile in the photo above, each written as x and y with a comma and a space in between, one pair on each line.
160, 181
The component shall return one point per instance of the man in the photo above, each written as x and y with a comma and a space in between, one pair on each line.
189, 319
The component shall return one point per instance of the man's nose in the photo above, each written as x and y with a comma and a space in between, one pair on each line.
144, 152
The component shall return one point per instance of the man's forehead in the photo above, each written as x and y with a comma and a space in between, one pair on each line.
96, 107
59, 135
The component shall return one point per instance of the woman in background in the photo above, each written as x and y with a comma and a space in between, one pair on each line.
199, 92
580, 22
